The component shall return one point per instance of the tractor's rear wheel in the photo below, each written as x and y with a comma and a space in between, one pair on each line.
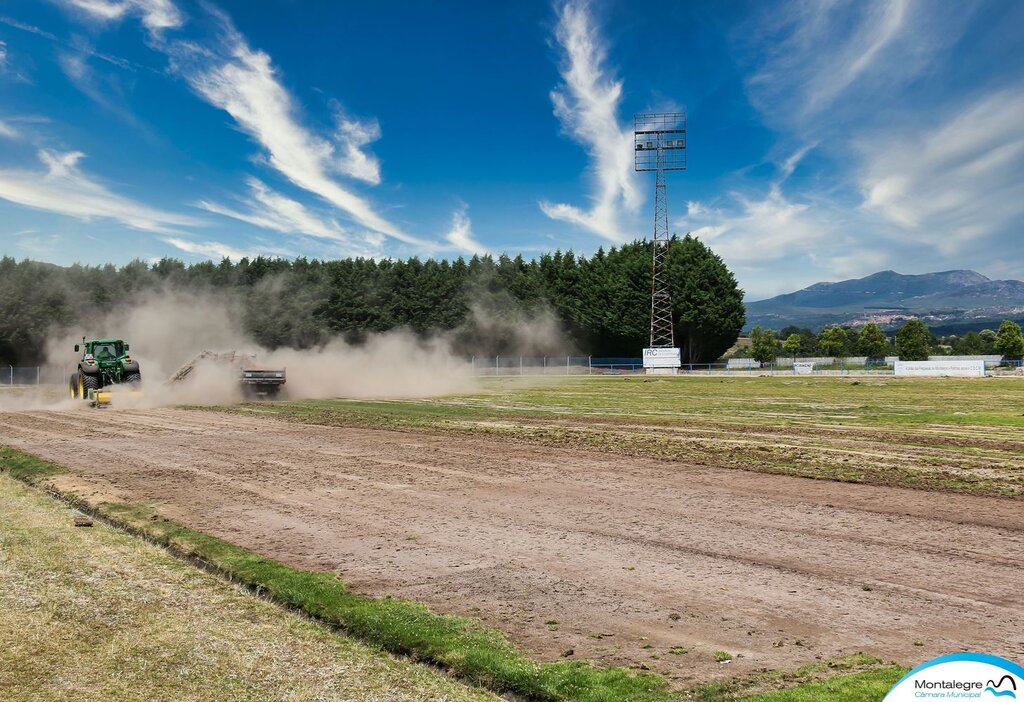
73, 386
133, 377
87, 383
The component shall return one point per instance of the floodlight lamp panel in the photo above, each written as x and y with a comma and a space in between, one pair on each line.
659, 141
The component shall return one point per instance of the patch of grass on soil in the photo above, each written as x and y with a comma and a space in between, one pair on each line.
26, 467
950, 434
93, 613
97, 614
870, 686
857, 678
475, 653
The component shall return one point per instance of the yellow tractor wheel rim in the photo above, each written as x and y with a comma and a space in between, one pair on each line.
81, 387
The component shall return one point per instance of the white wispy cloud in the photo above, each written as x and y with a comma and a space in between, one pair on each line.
758, 231
460, 236
587, 105
26, 27
268, 209
768, 235
910, 171
811, 56
843, 44
232, 76
8, 132
776, 244
156, 15
953, 182
208, 249
352, 136
103, 89
244, 83
9, 68
77, 44
788, 166
62, 187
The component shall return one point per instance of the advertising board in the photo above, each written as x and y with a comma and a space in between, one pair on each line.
661, 358
967, 368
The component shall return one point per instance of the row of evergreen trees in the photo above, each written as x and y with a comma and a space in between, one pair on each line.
600, 304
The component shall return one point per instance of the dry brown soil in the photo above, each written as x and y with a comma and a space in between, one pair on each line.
630, 556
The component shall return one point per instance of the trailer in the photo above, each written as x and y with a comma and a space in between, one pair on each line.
255, 380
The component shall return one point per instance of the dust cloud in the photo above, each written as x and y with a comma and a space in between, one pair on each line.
501, 328
169, 329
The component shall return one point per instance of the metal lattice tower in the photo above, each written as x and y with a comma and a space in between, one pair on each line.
659, 141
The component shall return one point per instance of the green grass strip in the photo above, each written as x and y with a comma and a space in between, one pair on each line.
869, 686
475, 653
26, 467
868, 679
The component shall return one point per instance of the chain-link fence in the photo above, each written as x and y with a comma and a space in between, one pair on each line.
593, 365
33, 375
579, 365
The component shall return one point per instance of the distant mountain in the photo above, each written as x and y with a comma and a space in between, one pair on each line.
889, 298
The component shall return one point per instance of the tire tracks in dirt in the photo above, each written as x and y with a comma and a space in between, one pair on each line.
622, 552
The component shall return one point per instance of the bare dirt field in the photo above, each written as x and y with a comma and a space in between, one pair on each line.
619, 559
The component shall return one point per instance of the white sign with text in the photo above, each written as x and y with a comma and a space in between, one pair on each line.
661, 358
971, 368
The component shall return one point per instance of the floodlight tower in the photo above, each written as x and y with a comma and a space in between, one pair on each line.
659, 145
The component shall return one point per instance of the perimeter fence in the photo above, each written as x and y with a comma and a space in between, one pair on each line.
504, 366
594, 365
33, 375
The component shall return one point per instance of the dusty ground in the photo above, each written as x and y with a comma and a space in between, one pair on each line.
94, 615
619, 559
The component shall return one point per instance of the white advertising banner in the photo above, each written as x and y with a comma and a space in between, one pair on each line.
803, 368
971, 368
661, 358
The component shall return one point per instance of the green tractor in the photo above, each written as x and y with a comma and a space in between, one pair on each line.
104, 362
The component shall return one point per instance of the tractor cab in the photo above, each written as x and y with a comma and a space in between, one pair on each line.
103, 351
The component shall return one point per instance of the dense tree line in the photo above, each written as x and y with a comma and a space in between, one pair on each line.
601, 304
913, 341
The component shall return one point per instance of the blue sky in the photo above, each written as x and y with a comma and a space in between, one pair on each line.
826, 139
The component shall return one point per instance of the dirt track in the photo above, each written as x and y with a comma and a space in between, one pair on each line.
620, 552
